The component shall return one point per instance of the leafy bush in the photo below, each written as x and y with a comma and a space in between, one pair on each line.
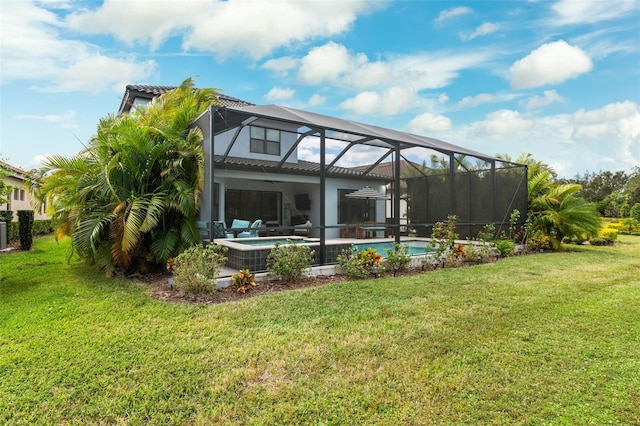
244, 280
539, 241
25, 228
505, 247
487, 233
289, 261
42, 227
634, 213
443, 236
398, 257
477, 253
360, 264
6, 216
598, 242
196, 268
608, 234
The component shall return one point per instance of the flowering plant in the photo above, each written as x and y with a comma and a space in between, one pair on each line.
244, 280
360, 264
370, 257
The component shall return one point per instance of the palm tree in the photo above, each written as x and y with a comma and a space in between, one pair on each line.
554, 209
132, 196
559, 213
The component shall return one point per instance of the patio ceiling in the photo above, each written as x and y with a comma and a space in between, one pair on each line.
337, 129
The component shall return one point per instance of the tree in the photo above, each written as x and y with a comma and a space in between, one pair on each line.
559, 213
555, 209
5, 189
130, 200
632, 186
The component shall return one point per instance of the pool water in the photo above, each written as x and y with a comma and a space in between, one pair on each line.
269, 241
414, 247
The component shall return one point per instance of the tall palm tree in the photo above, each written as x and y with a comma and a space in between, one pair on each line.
132, 196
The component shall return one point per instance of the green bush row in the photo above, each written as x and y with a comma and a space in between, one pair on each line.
39, 227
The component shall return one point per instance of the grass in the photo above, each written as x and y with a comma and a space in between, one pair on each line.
542, 339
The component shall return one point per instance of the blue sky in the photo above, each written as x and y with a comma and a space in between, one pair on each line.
557, 79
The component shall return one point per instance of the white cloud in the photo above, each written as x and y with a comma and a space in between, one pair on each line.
485, 29
551, 63
588, 12
98, 73
65, 121
549, 97
33, 49
392, 101
280, 93
484, 98
604, 138
427, 121
316, 99
448, 14
281, 66
613, 119
443, 98
222, 27
504, 121
333, 63
326, 63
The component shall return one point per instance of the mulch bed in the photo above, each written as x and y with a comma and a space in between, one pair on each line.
161, 290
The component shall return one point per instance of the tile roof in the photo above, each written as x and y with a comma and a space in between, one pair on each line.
387, 168
149, 92
302, 167
15, 171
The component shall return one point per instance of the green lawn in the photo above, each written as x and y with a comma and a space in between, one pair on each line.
541, 339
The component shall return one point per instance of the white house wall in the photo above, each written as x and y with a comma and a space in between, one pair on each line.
289, 186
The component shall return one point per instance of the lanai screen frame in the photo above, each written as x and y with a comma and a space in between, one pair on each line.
223, 119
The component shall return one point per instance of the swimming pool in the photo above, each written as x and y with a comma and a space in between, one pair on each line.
414, 247
267, 241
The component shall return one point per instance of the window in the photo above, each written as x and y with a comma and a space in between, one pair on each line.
265, 141
16, 193
354, 209
22, 195
252, 205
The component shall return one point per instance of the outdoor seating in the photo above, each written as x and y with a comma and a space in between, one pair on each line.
236, 227
253, 229
302, 229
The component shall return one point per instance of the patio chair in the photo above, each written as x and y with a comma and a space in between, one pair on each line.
253, 232
237, 224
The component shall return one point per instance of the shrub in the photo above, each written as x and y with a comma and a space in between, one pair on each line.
598, 242
42, 227
25, 228
487, 233
443, 236
539, 241
608, 234
477, 253
398, 258
634, 213
6, 216
289, 261
360, 264
505, 247
196, 268
244, 280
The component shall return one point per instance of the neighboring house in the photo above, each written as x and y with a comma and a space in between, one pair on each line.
253, 171
19, 198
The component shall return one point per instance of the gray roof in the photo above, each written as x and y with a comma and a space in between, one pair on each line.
302, 167
339, 129
150, 92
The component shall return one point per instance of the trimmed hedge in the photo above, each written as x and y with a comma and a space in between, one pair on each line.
25, 229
